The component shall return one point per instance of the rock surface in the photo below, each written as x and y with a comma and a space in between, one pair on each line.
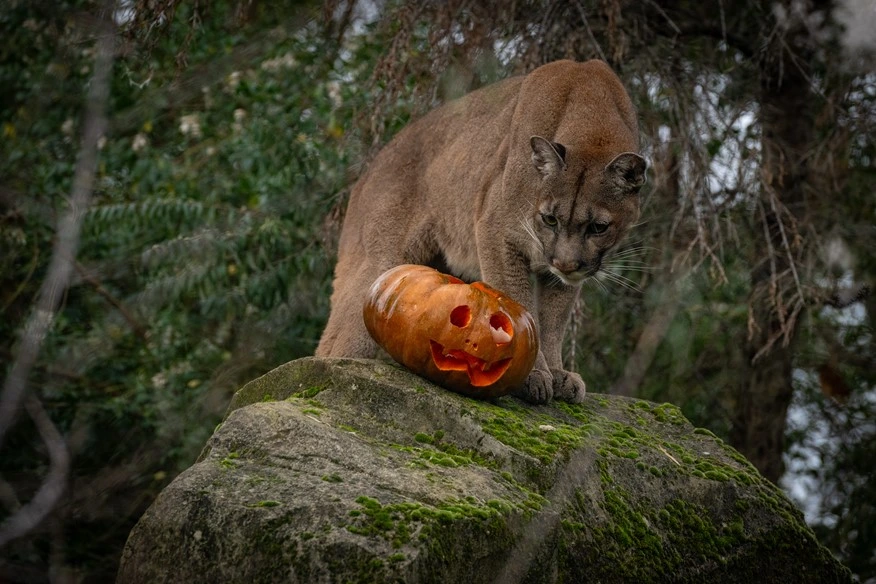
358, 471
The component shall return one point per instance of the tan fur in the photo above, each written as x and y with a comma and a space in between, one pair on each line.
479, 188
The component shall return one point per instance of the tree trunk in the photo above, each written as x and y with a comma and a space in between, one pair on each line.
776, 302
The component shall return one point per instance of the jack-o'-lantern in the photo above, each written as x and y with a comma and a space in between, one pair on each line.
469, 338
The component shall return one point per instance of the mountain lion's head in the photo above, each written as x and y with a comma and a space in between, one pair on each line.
582, 211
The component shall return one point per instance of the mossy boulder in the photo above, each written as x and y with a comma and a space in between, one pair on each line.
358, 471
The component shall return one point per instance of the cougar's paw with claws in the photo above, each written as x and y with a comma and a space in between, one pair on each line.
568, 386
538, 387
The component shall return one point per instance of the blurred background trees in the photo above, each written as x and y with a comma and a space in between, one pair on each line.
235, 129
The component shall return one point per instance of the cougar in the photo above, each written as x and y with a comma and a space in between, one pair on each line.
524, 184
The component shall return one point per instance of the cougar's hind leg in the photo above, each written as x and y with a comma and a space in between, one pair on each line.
327, 340
345, 334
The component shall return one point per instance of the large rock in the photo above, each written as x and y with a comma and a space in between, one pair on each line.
357, 471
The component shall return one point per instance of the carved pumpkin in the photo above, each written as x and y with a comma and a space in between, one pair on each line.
469, 338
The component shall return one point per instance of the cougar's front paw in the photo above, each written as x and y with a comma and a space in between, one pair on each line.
568, 386
538, 387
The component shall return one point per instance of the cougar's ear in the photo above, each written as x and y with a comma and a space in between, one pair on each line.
627, 171
548, 157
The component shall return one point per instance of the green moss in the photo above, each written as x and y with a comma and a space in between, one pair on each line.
229, 461
399, 523
310, 391
642, 540
715, 470
313, 411
669, 413
265, 504
705, 432
717, 475
502, 507
332, 478
267, 397
253, 480
523, 430
440, 453
444, 459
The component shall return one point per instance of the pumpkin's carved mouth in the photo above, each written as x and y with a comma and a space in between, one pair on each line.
481, 373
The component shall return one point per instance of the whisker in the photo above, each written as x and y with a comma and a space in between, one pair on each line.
628, 267
599, 282
633, 251
636, 270
623, 262
530, 231
636, 244
620, 276
621, 281
621, 284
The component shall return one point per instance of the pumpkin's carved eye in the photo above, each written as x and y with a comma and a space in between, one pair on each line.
500, 327
460, 316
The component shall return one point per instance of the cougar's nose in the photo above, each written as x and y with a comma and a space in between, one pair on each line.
567, 267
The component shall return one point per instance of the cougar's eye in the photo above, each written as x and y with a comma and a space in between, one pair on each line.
549, 220
597, 228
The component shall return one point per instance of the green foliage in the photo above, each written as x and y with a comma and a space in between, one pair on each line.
206, 258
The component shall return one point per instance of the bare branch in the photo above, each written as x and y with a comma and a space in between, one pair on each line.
30, 515
847, 297
129, 317
785, 242
67, 242
590, 32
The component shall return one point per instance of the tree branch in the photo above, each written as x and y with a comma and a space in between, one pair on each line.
67, 241
30, 515
129, 317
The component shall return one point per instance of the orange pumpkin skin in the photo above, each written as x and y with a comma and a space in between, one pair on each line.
469, 338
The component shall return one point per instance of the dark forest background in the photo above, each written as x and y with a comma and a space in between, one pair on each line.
173, 178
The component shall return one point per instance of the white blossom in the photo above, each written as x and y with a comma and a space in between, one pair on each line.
233, 80
140, 142
190, 125
286, 61
334, 91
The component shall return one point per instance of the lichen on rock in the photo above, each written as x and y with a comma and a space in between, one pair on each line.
336, 470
